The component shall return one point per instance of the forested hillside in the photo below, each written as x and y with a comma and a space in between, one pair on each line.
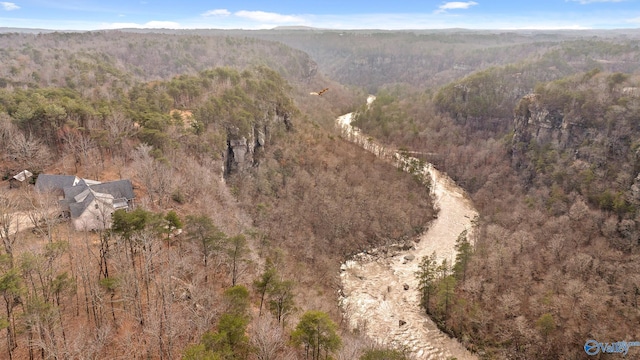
97, 59
247, 200
375, 59
245, 203
552, 168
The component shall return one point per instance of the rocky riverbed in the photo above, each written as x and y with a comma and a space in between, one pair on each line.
379, 288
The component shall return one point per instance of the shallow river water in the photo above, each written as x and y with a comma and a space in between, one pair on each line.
374, 298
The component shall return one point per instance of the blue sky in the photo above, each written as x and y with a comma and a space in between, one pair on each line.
345, 14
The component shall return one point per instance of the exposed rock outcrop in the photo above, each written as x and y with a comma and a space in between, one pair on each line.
535, 121
311, 69
585, 143
236, 155
541, 125
634, 192
244, 152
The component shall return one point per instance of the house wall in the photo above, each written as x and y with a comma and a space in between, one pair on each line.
94, 219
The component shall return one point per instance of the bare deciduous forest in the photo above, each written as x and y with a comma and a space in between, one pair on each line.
247, 200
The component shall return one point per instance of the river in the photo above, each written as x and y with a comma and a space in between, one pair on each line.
374, 298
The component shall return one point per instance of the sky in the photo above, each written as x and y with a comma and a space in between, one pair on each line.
326, 14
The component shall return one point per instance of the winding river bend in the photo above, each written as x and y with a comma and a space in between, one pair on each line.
374, 298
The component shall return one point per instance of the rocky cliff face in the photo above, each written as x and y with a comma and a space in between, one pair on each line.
310, 69
583, 147
243, 151
596, 132
538, 122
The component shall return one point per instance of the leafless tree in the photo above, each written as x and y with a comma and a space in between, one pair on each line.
267, 338
9, 223
44, 211
91, 343
118, 128
81, 146
156, 176
47, 285
28, 151
129, 282
510, 302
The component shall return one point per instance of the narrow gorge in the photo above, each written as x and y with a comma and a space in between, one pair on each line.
379, 287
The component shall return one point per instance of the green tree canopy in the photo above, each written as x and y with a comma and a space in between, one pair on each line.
127, 223
316, 332
426, 275
230, 341
210, 239
266, 282
236, 299
281, 301
465, 250
383, 354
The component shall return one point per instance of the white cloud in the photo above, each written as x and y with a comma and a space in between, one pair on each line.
584, 2
268, 17
452, 5
217, 12
8, 6
397, 21
147, 25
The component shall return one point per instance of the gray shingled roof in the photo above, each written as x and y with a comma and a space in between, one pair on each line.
72, 186
119, 189
72, 191
48, 182
77, 208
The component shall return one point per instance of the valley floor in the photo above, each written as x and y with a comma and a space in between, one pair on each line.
375, 300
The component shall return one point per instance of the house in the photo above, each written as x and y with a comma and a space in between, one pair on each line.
55, 183
20, 179
89, 203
